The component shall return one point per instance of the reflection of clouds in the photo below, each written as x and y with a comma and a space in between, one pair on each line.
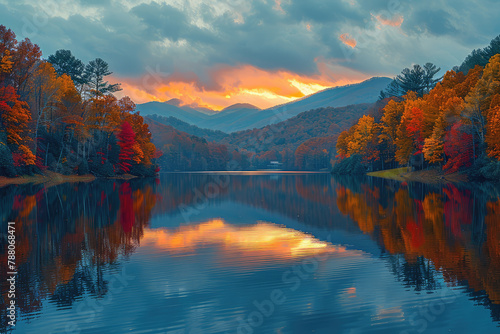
259, 241
348, 284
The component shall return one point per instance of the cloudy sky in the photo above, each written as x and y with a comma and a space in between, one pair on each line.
216, 53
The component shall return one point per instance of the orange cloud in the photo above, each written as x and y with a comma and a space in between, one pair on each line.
348, 40
229, 85
277, 6
395, 21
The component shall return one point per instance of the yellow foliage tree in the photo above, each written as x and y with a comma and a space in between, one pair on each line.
493, 133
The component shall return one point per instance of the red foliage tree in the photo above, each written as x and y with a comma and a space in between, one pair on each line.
126, 140
458, 148
415, 127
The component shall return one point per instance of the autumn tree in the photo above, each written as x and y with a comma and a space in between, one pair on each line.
458, 148
14, 117
404, 143
493, 133
363, 134
24, 59
478, 101
434, 145
342, 145
126, 141
390, 122
414, 127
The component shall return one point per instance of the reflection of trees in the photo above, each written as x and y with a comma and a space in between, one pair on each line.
68, 234
452, 227
454, 230
308, 198
418, 274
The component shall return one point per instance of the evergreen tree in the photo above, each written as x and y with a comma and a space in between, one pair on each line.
94, 74
64, 62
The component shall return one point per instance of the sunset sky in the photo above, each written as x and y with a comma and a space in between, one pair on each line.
221, 52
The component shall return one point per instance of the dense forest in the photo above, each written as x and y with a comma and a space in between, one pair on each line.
304, 142
184, 152
59, 114
208, 134
454, 126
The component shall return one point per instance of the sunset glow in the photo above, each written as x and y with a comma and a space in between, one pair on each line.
230, 85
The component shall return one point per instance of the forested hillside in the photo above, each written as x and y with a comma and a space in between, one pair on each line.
291, 133
59, 114
210, 135
304, 142
185, 152
454, 126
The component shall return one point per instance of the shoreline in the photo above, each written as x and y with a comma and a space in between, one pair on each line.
431, 176
52, 179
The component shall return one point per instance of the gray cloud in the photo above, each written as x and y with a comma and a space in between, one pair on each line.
196, 36
436, 22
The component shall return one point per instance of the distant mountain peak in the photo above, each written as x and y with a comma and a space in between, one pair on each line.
241, 106
175, 102
243, 116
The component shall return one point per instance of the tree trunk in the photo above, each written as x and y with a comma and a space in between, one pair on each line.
47, 154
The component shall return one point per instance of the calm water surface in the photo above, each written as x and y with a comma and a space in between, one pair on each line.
257, 253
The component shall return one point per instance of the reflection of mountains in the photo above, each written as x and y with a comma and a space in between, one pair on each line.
458, 230
66, 235
308, 198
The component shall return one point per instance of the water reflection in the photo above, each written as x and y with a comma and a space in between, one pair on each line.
69, 237
261, 242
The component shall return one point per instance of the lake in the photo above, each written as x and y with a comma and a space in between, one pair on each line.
253, 253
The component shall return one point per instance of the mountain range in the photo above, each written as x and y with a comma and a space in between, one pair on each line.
244, 116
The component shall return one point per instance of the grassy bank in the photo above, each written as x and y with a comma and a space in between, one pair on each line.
433, 176
48, 178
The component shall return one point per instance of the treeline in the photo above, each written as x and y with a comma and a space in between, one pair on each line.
60, 114
455, 126
185, 152
304, 142
479, 57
